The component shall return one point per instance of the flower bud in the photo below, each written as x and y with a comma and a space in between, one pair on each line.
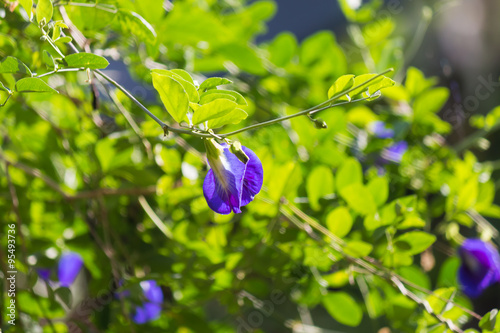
236, 149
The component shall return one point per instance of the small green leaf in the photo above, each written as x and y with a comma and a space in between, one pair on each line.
48, 60
86, 60
320, 183
379, 188
372, 86
14, 65
135, 24
488, 321
184, 79
240, 100
414, 242
349, 173
282, 49
416, 82
359, 198
32, 84
358, 249
343, 83
212, 97
65, 39
64, 294
173, 96
28, 6
44, 10
339, 221
343, 308
213, 83
431, 101
212, 110
233, 117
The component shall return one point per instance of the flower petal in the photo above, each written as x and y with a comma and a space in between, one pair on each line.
152, 291
68, 268
254, 177
480, 267
223, 184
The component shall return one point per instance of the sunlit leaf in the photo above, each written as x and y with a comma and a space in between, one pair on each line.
173, 95
212, 110
44, 10
86, 60
343, 308
31, 84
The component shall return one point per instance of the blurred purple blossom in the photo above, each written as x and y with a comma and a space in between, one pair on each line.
379, 129
395, 152
480, 267
151, 309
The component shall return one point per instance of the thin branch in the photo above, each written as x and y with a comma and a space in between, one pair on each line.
60, 71
156, 220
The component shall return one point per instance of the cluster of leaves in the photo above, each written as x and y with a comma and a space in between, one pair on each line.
336, 223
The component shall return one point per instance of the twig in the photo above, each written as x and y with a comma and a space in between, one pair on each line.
156, 220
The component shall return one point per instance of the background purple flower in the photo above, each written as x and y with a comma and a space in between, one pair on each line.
230, 183
480, 267
151, 309
68, 268
380, 131
395, 152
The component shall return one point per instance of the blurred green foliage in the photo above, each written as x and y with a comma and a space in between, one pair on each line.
337, 233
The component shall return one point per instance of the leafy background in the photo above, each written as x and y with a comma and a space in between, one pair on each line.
85, 170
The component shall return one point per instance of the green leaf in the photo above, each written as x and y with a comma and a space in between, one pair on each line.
488, 321
320, 183
343, 83
206, 97
44, 10
343, 308
135, 24
28, 6
339, 221
65, 39
379, 188
233, 117
212, 97
431, 101
414, 242
416, 82
64, 295
14, 65
173, 96
184, 79
349, 173
370, 87
282, 49
359, 198
32, 84
358, 249
212, 110
86, 60
48, 60
213, 83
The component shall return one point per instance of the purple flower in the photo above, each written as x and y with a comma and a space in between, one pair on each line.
151, 309
480, 267
395, 152
380, 131
230, 183
44, 273
68, 268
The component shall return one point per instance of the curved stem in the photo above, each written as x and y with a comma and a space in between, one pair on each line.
60, 70
298, 114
